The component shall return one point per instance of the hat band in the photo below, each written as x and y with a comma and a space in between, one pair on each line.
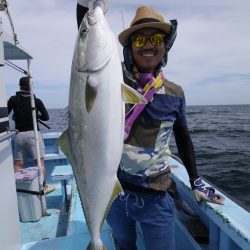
146, 20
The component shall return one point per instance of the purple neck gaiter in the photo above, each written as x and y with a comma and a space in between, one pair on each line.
143, 79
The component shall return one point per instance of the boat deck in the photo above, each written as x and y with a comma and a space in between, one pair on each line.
61, 230
48, 227
223, 227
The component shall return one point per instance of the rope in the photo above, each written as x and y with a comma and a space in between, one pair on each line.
14, 66
4, 7
136, 200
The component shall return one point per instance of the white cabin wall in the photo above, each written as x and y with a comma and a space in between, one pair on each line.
9, 218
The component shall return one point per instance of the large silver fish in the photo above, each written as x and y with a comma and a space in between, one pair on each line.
94, 140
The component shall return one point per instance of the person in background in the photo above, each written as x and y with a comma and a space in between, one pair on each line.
144, 169
25, 147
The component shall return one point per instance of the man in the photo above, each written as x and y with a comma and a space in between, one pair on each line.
144, 169
25, 147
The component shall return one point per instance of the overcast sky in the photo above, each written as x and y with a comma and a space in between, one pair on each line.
210, 58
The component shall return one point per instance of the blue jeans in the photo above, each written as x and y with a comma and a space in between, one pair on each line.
154, 213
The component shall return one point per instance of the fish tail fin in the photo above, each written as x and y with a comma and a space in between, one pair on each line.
64, 143
98, 246
132, 96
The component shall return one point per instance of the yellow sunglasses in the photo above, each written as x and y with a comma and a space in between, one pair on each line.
155, 39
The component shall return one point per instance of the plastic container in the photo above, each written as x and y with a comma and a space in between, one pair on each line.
29, 203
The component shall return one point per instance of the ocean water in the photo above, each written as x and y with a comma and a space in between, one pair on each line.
221, 138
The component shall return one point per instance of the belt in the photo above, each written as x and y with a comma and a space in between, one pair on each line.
135, 188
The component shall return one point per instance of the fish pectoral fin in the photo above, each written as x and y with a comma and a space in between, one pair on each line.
132, 96
90, 94
64, 143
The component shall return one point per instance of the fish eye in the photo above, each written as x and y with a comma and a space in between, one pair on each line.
84, 31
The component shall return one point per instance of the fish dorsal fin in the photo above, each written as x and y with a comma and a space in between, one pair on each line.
64, 143
132, 96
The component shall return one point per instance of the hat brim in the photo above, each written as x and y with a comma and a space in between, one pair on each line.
123, 36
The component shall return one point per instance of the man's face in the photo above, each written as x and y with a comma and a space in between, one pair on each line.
147, 56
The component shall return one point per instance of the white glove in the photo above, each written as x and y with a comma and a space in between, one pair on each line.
201, 192
91, 4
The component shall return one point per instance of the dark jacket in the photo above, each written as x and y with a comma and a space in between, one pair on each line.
21, 106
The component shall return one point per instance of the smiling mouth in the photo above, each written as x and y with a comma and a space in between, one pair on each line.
148, 54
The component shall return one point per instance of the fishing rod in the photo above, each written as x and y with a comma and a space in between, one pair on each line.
44, 124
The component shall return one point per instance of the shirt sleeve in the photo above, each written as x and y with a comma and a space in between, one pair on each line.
42, 111
181, 117
10, 105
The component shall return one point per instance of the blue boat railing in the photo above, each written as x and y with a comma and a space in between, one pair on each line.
226, 227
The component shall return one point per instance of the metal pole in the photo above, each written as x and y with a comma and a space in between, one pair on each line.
40, 171
9, 134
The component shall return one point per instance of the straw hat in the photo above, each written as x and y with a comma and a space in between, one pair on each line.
145, 17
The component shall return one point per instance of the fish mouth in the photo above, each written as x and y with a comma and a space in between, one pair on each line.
92, 20
94, 15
